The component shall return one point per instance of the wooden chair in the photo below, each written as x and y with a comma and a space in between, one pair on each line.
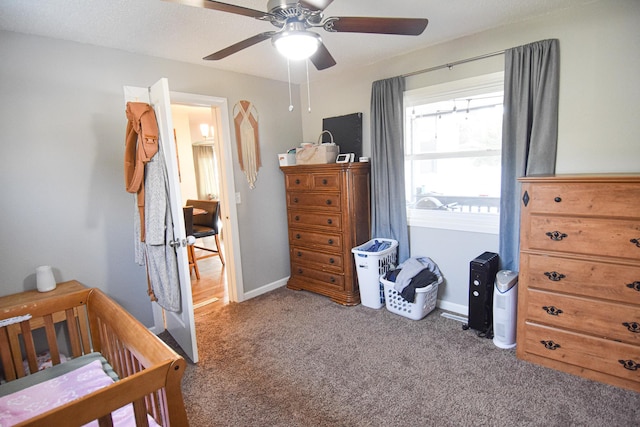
188, 225
205, 225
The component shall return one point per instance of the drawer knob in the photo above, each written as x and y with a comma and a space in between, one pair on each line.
332, 280
557, 199
332, 261
297, 218
635, 242
556, 235
550, 345
298, 236
629, 364
553, 311
554, 276
299, 271
632, 327
295, 200
299, 253
328, 201
329, 221
324, 182
330, 241
635, 285
297, 181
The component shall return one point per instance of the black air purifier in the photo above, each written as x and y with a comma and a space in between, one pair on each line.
482, 275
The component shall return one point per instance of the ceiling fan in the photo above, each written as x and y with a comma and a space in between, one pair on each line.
294, 18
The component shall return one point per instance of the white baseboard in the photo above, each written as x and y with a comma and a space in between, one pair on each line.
264, 289
454, 308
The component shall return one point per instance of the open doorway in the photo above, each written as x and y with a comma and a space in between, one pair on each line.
198, 139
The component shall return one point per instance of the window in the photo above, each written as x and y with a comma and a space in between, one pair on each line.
453, 139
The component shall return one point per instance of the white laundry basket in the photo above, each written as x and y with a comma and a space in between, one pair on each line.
424, 303
370, 266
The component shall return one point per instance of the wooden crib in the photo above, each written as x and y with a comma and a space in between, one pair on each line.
85, 320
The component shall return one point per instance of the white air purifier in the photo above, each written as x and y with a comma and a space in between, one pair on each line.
505, 307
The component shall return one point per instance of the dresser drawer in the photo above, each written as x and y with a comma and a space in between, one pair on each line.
301, 181
324, 260
614, 282
597, 354
325, 181
328, 220
300, 271
313, 181
598, 318
589, 236
324, 241
612, 199
326, 201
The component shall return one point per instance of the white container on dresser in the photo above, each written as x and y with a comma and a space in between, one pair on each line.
579, 298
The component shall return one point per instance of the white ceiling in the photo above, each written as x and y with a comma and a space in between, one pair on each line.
186, 33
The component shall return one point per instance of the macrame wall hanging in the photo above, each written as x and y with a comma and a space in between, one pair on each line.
245, 118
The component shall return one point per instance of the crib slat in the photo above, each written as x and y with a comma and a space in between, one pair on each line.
83, 322
5, 355
29, 347
72, 327
51, 339
105, 421
140, 412
164, 411
16, 353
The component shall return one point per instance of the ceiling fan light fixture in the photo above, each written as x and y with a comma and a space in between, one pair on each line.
297, 45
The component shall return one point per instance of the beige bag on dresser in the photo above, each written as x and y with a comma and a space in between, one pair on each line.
318, 153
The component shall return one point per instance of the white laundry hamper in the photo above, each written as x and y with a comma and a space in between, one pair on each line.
370, 266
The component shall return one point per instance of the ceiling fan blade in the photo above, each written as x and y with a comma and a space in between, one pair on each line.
240, 45
322, 58
224, 7
315, 4
401, 26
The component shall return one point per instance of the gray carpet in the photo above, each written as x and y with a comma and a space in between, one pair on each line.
291, 358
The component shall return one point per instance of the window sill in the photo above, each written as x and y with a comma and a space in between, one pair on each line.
459, 221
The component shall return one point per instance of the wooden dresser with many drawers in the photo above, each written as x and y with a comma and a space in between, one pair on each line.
328, 212
579, 284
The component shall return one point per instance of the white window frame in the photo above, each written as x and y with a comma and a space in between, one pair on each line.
488, 223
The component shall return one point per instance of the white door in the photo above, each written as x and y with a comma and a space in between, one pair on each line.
180, 325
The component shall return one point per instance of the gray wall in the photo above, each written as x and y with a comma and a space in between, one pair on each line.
62, 199
598, 128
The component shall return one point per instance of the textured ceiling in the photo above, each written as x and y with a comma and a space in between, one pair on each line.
186, 33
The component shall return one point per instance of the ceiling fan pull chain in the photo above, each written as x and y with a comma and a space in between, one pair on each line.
306, 62
289, 76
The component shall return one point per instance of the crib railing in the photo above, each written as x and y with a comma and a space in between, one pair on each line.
82, 320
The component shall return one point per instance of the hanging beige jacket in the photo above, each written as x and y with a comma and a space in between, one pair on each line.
141, 144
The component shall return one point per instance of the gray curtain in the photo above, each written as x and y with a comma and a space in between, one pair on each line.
529, 132
388, 201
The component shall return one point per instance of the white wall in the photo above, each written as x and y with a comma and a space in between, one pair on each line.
188, 187
62, 198
598, 122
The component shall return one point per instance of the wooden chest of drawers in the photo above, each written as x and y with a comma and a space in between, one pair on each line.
579, 284
328, 212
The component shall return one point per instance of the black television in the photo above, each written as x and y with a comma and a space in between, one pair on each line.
346, 131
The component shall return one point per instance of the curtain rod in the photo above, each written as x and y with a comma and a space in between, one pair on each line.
452, 64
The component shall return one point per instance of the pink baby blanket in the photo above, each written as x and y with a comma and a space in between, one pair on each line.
37, 399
